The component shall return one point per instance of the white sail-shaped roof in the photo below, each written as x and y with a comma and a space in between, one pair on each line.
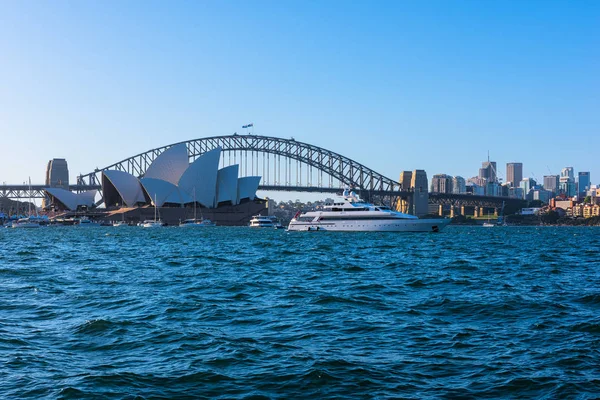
161, 192
201, 178
72, 200
247, 187
170, 164
87, 199
227, 184
125, 185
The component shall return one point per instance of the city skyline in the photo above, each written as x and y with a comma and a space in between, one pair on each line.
393, 86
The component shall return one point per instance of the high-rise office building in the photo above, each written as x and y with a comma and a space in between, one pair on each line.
567, 182
551, 183
583, 183
527, 184
487, 171
514, 173
459, 186
441, 183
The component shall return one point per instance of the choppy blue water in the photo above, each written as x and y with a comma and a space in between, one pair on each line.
240, 313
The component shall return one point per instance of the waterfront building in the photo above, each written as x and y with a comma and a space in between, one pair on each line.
459, 186
591, 210
66, 200
551, 183
171, 181
514, 172
583, 183
441, 183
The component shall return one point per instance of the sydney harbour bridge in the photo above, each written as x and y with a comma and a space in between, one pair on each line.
284, 165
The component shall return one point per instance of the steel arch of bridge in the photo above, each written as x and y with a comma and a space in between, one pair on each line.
347, 172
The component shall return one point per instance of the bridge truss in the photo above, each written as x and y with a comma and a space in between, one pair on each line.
283, 164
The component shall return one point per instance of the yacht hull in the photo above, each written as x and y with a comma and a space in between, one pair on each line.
401, 225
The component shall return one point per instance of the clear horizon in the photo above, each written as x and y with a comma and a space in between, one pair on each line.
395, 86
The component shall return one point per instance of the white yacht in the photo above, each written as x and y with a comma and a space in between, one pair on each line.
263, 221
156, 223
28, 222
352, 214
119, 224
197, 223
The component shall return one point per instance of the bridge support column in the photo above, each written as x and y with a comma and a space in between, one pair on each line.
441, 210
496, 212
481, 211
475, 212
462, 210
452, 213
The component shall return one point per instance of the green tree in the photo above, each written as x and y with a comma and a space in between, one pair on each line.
587, 200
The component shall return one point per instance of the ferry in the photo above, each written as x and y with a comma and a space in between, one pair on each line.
262, 221
353, 215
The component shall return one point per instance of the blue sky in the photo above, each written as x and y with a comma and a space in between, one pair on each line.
395, 85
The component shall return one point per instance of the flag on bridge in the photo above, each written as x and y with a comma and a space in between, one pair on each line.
244, 126
249, 125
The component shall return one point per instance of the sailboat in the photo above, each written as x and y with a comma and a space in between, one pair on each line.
156, 223
194, 222
28, 222
121, 222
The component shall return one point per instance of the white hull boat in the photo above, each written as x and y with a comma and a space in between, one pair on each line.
352, 215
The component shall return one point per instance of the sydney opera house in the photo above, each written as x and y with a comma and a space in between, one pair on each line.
174, 185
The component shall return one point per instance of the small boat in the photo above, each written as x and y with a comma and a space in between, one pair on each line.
156, 223
488, 225
195, 222
85, 221
119, 223
30, 221
27, 223
265, 221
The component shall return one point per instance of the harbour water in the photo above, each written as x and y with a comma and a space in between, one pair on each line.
241, 313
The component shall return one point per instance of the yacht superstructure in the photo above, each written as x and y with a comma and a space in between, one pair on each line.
352, 214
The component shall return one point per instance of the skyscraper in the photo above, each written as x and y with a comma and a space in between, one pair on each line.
441, 183
459, 185
551, 183
583, 183
567, 182
487, 171
514, 173
527, 184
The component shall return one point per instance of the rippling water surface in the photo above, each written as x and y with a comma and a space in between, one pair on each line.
241, 313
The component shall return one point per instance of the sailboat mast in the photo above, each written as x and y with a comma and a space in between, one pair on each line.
29, 202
